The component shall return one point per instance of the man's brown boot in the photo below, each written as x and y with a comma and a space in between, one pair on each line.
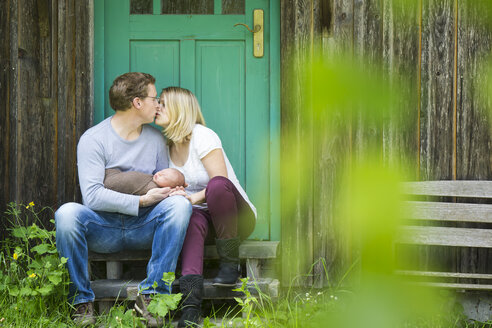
84, 314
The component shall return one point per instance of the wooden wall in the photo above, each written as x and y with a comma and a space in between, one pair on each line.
46, 79
437, 46
46, 83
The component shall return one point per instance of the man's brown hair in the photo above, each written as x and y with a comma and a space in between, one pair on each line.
128, 86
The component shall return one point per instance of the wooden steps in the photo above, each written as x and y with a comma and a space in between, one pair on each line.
112, 289
257, 256
249, 249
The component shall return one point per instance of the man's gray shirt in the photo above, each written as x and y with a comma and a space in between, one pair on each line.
101, 148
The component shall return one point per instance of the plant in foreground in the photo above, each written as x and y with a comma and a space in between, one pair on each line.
33, 277
161, 305
119, 317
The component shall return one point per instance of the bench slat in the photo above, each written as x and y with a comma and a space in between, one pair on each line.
249, 249
418, 210
444, 236
445, 274
455, 188
455, 285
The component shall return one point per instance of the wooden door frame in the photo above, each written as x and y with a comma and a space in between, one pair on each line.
274, 160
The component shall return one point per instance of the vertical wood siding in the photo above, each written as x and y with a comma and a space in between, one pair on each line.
437, 47
297, 220
46, 84
473, 138
5, 68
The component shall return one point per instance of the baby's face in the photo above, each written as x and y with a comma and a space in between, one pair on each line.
161, 179
168, 178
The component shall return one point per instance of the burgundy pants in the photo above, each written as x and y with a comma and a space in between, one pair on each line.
228, 216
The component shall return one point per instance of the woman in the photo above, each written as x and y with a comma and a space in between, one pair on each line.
221, 208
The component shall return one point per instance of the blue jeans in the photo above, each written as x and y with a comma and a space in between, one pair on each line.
161, 227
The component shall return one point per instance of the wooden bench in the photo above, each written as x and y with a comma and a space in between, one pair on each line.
435, 221
258, 257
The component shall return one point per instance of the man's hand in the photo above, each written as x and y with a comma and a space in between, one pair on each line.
153, 196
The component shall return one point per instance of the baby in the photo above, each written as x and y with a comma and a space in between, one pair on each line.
138, 183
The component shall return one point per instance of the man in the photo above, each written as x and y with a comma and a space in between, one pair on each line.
109, 221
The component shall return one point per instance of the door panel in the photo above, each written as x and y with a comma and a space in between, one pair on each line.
220, 88
160, 58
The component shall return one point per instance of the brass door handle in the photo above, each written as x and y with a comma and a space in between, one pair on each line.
257, 32
257, 27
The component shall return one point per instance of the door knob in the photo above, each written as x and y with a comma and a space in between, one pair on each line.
257, 32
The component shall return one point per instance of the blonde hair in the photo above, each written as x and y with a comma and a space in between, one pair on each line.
183, 111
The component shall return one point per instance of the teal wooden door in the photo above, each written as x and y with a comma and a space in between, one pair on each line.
194, 44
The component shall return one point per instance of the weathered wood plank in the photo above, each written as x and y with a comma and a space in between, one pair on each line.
444, 274
5, 106
401, 62
368, 47
66, 101
473, 130
437, 67
110, 289
459, 188
448, 211
37, 174
331, 154
249, 249
13, 101
455, 286
83, 79
332, 253
473, 124
296, 120
31, 142
331, 146
45, 52
343, 25
445, 236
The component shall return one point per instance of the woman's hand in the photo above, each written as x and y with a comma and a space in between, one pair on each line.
178, 191
197, 198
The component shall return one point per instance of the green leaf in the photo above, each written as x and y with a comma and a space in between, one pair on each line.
161, 304
25, 291
55, 277
168, 277
41, 249
45, 290
19, 232
14, 291
37, 265
207, 323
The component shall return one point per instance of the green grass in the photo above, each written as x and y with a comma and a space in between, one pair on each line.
33, 291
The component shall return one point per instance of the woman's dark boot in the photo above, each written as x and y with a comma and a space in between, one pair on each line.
229, 272
191, 287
